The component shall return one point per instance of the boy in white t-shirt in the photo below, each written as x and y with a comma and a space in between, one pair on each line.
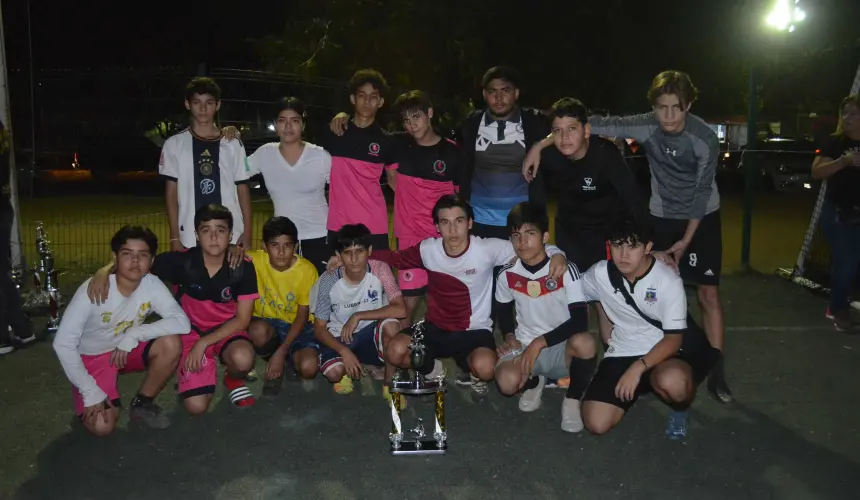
201, 168
97, 342
551, 338
358, 309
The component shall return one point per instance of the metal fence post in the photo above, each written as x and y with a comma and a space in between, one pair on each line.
749, 165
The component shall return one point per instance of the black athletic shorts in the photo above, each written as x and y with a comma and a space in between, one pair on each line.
377, 241
703, 261
318, 252
457, 345
696, 352
583, 248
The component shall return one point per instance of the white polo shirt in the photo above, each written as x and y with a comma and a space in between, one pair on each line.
177, 164
659, 294
297, 191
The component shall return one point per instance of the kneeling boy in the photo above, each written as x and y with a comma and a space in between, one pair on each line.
358, 309
551, 339
97, 342
282, 320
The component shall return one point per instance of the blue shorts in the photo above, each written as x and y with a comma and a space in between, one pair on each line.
305, 340
366, 345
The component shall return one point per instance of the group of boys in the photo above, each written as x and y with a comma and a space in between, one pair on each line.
470, 262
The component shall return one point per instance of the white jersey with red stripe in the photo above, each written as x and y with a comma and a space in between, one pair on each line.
338, 299
542, 304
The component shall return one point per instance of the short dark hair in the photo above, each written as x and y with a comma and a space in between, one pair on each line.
365, 76
571, 108
202, 85
279, 226
130, 232
626, 228
213, 211
451, 201
505, 73
291, 103
352, 235
673, 82
414, 100
528, 213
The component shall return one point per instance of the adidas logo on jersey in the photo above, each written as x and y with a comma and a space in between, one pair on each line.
709, 273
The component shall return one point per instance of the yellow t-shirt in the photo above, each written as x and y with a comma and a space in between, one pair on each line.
282, 292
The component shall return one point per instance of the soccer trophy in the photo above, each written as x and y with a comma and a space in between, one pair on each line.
416, 384
46, 294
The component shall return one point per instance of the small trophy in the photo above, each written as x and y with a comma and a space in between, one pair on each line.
46, 294
418, 442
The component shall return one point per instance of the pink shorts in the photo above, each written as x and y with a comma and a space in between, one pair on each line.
413, 282
203, 382
106, 374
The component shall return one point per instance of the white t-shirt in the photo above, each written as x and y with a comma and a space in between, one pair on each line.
91, 329
297, 191
659, 294
337, 299
540, 306
177, 163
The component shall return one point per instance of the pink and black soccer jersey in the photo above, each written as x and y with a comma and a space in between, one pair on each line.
424, 174
208, 301
358, 158
459, 288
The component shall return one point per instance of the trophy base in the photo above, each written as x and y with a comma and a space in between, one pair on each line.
428, 447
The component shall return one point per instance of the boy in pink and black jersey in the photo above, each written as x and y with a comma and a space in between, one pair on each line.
359, 157
427, 167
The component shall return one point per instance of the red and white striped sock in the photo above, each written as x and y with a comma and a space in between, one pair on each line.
240, 395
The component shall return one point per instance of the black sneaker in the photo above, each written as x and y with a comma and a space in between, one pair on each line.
151, 414
717, 386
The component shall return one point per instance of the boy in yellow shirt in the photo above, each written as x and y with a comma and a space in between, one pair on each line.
282, 322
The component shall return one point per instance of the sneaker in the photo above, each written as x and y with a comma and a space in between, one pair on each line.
272, 387
828, 314
437, 372
344, 386
842, 320
240, 395
571, 416
480, 389
530, 399
6, 349
676, 428
375, 372
387, 395
464, 379
551, 383
251, 376
151, 414
718, 390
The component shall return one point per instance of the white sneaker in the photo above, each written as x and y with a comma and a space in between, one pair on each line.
530, 400
437, 372
571, 417
6, 349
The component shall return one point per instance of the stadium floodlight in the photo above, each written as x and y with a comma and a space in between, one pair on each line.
785, 15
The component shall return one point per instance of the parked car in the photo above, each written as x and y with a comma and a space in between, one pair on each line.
786, 164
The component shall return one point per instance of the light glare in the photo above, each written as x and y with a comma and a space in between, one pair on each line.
783, 17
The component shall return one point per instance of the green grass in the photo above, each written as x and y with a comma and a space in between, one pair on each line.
80, 228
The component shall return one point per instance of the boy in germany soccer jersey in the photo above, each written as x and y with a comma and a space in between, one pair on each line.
219, 301
282, 323
358, 310
551, 338
200, 168
655, 346
427, 168
97, 342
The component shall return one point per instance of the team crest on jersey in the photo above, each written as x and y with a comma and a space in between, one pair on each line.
408, 276
586, 186
373, 149
651, 295
106, 317
207, 186
439, 167
372, 295
533, 289
227, 293
551, 284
